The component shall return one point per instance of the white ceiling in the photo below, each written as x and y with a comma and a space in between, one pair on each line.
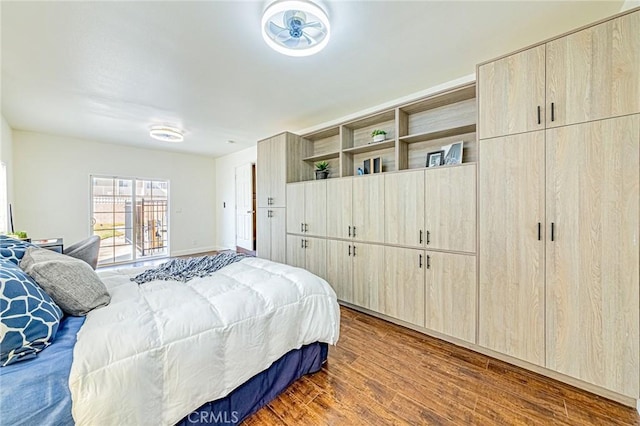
106, 71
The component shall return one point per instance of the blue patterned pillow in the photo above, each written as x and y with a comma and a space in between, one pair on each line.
12, 249
29, 319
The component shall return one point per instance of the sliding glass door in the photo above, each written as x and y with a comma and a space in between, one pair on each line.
131, 216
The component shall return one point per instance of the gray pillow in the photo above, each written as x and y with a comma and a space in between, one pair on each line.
70, 282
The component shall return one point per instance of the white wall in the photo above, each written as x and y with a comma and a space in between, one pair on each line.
51, 187
226, 193
6, 155
629, 4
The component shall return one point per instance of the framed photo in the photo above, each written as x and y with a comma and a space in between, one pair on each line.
453, 153
367, 166
376, 163
435, 159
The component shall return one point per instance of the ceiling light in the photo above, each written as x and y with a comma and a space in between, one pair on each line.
166, 133
295, 27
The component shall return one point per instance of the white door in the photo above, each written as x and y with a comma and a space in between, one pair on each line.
244, 206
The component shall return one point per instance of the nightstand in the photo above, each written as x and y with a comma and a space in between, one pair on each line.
54, 244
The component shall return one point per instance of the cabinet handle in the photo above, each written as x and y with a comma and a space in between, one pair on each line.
420, 262
301, 243
306, 227
420, 238
553, 114
428, 262
553, 227
349, 231
269, 213
306, 243
349, 249
268, 201
539, 116
354, 234
539, 231
428, 237
301, 227
354, 251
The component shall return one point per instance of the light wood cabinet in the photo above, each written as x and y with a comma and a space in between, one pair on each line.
511, 94
450, 208
271, 171
308, 253
594, 73
340, 269
403, 296
511, 256
295, 251
368, 275
271, 234
451, 295
592, 263
339, 217
404, 208
307, 210
368, 208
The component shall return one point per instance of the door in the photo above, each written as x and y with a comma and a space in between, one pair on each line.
511, 94
263, 233
278, 235
404, 284
511, 173
368, 208
594, 73
368, 275
295, 208
339, 269
295, 251
592, 257
404, 208
339, 207
451, 295
315, 255
451, 208
244, 207
315, 208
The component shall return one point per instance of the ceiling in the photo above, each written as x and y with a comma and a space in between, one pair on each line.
106, 71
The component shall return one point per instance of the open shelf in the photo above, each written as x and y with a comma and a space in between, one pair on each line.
370, 147
372, 120
427, 136
322, 134
320, 157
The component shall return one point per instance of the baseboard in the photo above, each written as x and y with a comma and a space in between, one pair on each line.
196, 250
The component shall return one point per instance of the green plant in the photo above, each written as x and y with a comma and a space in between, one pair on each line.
378, 132
322, 166
19, 234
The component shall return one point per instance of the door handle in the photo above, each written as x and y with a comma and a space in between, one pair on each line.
539, 231
420, 238
553, 227
539, 116
269, 213
306, 243
301, 227
349, 231
301, 243
354, 250
349, 249
428, 237
249, 211
420, 261
354, 234
306, 227
428, 262
553, 115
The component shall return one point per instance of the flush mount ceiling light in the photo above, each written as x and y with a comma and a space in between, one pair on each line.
295, 27
166, 133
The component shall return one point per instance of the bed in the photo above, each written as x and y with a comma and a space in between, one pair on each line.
210, 351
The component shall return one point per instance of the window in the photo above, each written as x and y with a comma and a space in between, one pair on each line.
131, 216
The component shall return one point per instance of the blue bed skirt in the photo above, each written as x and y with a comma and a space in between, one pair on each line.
261, 388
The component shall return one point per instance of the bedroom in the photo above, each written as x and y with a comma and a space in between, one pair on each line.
83, 82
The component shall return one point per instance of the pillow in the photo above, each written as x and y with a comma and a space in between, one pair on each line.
70, 282
29, 319
12, 249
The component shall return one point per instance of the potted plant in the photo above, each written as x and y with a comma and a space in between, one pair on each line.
322, 170
378, 135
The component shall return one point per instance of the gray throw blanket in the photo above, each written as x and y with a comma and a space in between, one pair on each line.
186, 269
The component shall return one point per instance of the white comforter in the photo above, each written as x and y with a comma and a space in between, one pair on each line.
162, 349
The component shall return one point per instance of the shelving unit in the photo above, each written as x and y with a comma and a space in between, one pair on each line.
413, 130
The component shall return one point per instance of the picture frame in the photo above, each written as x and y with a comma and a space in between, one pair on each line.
435, 158
453, 153
372, 165
366, 166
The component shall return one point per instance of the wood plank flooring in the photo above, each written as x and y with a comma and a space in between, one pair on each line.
384, 374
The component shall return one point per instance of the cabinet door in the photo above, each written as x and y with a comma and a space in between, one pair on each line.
510, 91
263, 170
368, 208
295, 251
592, 261
451, 208
277, 167
316, 256
278, 235
595, 73
295, 208
339, 207
511, 173
404, 284
315, 208
263, 233
339, 269
451, 295
368, 275
404, 208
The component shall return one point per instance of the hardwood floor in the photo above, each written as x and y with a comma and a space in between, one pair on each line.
381, 373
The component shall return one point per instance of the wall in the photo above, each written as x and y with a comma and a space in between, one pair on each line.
226, 193
6, 156
630, 4
51, 187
